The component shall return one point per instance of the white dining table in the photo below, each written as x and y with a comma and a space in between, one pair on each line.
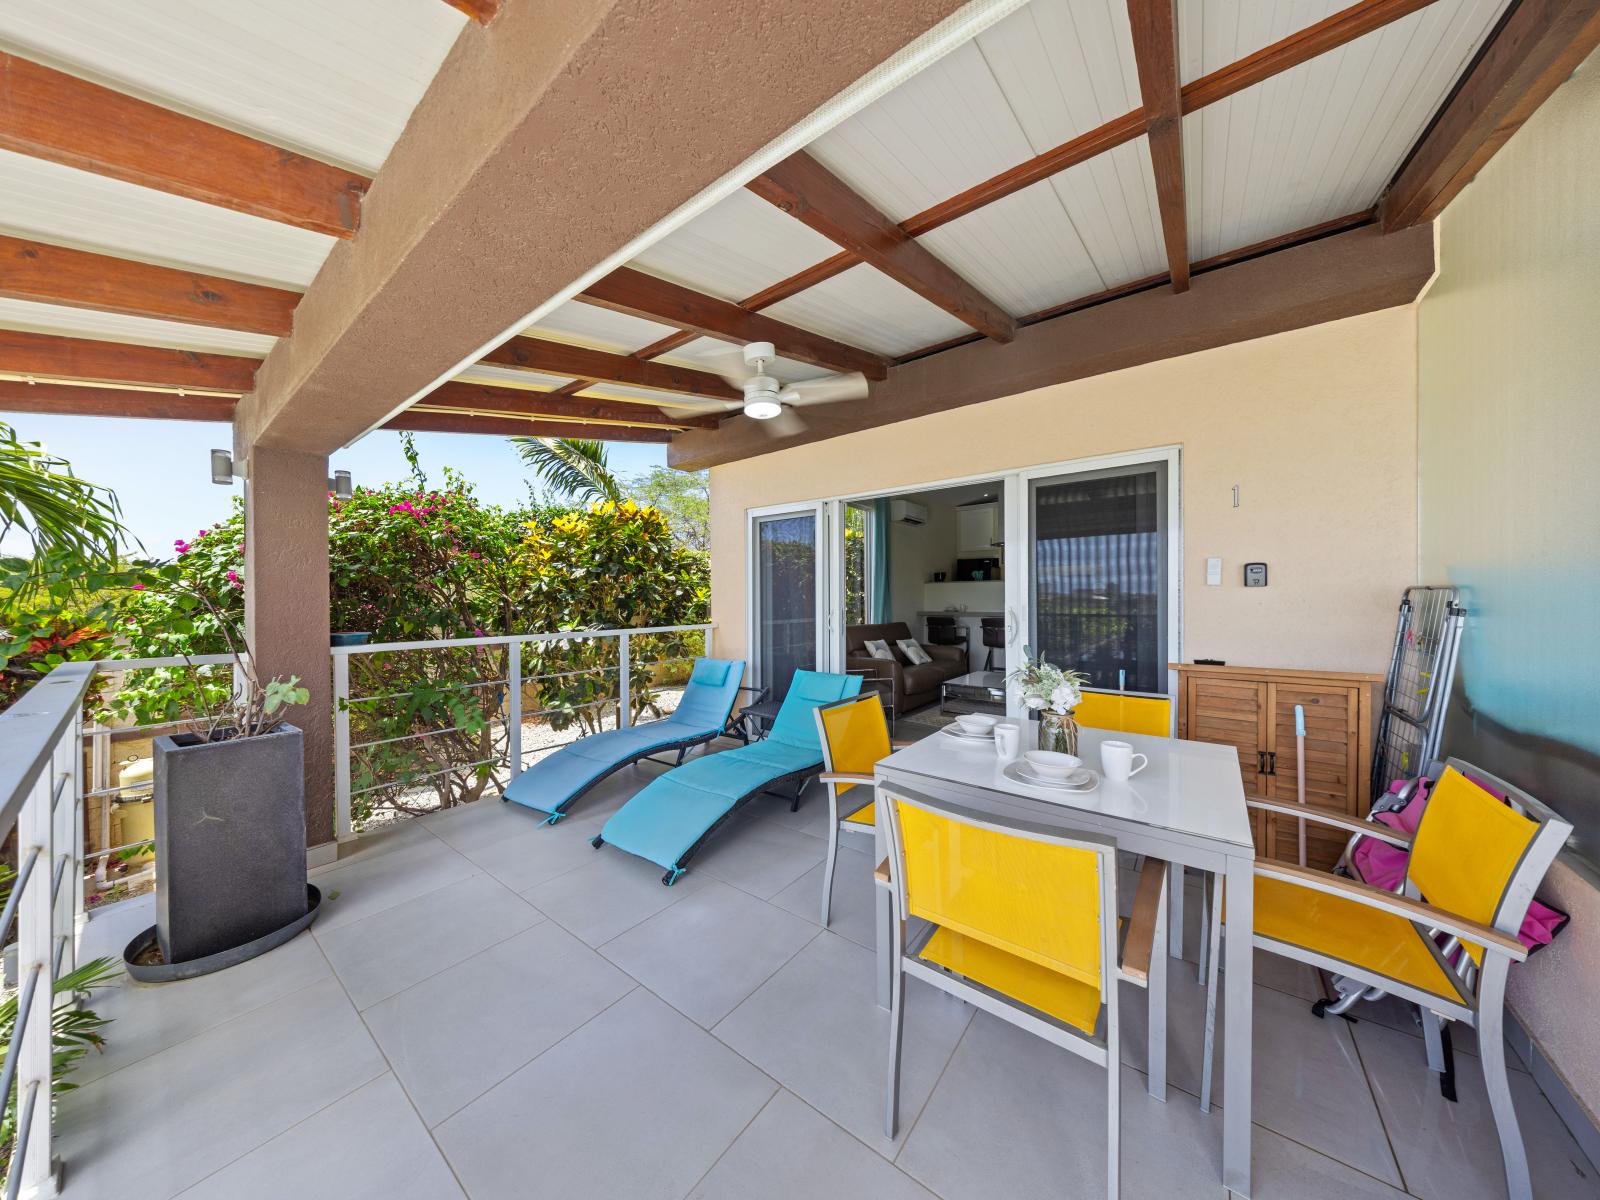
1185, 806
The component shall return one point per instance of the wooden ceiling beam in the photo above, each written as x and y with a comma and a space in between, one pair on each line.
78, 279
1539, 44
46, 355
1302, 46
1155, 49
49, 114
626, 290
63, 399
481, 11
558, 358
806, 190
421, 421
519, 402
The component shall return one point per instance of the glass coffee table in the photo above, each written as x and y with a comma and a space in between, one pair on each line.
979, 692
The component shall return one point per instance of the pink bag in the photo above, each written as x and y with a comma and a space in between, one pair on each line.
1384, 866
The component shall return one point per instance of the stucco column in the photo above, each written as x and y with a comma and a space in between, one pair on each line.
286, 603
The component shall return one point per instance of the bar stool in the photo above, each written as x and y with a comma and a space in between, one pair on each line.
946, 631
994, 637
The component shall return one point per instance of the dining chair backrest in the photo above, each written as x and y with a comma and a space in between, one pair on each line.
1482, 848
1036, 895
855, 735
1123, 713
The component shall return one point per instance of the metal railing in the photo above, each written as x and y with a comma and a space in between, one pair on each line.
42, 791
510, 710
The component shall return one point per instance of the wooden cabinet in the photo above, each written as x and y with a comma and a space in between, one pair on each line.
1252, 710
978, 531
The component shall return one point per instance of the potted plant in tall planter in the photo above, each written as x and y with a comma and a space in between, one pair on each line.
230, 831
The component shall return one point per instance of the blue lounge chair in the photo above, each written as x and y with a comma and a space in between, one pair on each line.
554, 784
670, 817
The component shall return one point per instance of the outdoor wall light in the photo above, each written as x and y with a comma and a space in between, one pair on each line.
341, 486
221, 467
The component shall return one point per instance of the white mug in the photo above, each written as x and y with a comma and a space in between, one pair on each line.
1116, 759
1007, 739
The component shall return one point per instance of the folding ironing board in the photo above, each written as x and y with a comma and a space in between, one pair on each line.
670, 817
554, 784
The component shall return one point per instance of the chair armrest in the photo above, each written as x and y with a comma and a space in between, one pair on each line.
845, 777
1373, 829
875, 668
1139, 943
900, 745
1403, 906
880, 874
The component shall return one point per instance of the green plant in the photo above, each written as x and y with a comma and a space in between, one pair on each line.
74, 1032
574, 468
41, 497
684, 498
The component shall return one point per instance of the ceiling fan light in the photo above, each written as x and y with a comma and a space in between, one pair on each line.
762, 408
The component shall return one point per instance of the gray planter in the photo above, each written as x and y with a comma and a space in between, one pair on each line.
230, 841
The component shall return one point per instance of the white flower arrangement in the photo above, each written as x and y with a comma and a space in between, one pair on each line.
1046, 686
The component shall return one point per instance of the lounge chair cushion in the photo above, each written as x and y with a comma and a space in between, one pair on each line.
553, 782
671, 814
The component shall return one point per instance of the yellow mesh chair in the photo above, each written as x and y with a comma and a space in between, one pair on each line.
1125, 713
855, 736
1022, 923
1445, 942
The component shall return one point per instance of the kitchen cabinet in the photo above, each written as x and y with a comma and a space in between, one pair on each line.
1252, 710
978, 531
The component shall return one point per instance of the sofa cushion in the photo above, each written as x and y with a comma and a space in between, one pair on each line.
925, 678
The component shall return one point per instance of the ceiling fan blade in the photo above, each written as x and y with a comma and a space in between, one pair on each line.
830, 389
786, 424
728, 362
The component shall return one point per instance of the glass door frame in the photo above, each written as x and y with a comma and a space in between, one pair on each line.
819, 510
1017, 558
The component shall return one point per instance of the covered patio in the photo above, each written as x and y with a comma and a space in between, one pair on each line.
491, 1008
1294, 301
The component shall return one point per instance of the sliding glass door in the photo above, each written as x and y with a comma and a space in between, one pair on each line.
786, 594
1092, 579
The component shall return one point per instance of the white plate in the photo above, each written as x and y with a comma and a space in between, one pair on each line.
961, 735
1083, 780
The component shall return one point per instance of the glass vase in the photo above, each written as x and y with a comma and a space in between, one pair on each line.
1058, 732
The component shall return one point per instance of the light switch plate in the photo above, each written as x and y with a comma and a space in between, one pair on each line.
1214, 572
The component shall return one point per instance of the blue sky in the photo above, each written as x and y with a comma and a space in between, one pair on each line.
161, 470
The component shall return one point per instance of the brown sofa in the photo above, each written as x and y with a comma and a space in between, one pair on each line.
914, 686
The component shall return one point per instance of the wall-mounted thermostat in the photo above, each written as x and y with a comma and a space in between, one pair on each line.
1255, 574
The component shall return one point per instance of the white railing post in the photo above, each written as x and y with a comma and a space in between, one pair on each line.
35, 958
707, 650
75, 742
63, 811
100, 784
624, 690
514, 707
342, 824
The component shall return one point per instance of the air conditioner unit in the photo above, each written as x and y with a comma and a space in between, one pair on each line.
908, 512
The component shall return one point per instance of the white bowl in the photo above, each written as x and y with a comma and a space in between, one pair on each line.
977, 723
1050, 765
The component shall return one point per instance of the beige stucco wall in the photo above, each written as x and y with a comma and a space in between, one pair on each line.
1316, 426
1510, 512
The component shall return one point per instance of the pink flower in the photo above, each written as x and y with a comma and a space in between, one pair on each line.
233, 577
473, 554
476, 632
138, 587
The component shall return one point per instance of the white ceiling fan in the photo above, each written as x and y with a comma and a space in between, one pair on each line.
768, 399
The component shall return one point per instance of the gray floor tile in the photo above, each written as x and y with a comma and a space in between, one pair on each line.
152, 1016
368, 1146
811, 817
164, 1123
1450, 1151
456, 1034
1286, 1170
855, 895
370, 882
528, 859
1015, 1116
667, 1097
481, 823
111, 927
608, 895
759, 855
790, 1152
709, 951
393, 949
816, 1028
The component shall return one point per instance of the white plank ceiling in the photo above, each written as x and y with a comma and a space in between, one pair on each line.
140, 331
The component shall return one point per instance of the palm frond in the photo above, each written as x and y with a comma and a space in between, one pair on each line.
575, 468
42, 498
